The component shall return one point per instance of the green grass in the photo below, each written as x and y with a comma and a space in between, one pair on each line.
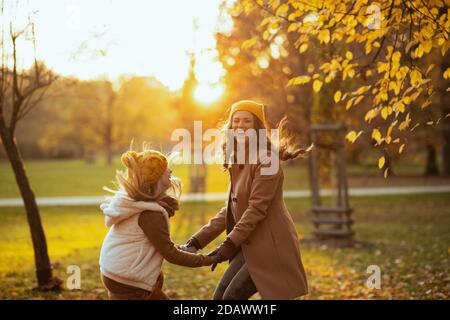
409, 235
53, 178
77, 178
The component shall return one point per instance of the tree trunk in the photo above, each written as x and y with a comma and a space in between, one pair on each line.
42, 261
108, 147
431, 165
108, 129
445, 105
446, 149
388, 164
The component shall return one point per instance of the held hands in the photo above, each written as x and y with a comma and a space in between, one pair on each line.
226, 251
191, 246
186, 248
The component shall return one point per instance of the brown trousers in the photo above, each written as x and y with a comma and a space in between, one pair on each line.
120, 291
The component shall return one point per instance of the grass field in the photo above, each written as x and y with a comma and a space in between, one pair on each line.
409, 237
51, 178
76, 178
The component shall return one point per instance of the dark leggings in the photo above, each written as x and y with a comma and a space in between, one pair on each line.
236, 283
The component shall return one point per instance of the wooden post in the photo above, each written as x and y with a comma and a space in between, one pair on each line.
332, 221
198, 174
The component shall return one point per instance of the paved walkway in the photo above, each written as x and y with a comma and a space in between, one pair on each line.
219, 196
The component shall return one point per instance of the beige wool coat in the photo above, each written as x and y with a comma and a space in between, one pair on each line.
264, 229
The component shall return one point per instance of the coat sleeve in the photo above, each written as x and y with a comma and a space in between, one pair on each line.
212, 229
261, 195
154, 225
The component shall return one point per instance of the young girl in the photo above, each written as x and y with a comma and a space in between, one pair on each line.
139, 239
261, 242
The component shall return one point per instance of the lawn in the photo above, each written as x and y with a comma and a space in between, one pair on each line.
408, 235
77, 178
53, 178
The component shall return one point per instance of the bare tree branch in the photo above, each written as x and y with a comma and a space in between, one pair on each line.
31, 103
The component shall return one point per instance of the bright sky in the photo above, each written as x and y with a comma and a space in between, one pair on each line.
107, 38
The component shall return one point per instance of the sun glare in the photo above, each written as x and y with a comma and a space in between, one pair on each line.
140, 38
208, 72
207, 93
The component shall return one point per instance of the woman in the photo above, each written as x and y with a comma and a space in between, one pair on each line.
261, 242
139, 240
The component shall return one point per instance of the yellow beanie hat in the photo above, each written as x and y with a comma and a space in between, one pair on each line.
251, 106
151, 163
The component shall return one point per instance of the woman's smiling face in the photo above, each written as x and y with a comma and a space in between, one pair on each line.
241, 122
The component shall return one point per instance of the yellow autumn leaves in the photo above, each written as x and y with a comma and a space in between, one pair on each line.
376, 134
317, 84
381, 163
324, 36
337, 96
385, 79
299, 80
352, 136
446, 74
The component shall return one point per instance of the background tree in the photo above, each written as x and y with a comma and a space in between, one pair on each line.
261, 70
143, 111
383, 44
260, 63
97, 117
21, 90
78, 126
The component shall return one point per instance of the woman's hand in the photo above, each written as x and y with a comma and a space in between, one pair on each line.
226, 251
209, 260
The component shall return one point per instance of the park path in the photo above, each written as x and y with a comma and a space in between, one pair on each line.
221, 196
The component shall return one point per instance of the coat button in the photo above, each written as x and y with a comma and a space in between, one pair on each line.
234, 199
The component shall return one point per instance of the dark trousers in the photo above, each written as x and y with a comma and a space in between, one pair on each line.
236, 283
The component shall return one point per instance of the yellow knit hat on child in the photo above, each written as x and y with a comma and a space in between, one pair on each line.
151, 163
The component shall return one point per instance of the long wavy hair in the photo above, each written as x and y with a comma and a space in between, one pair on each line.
287, 148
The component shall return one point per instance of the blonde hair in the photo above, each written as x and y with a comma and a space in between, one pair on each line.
136, 184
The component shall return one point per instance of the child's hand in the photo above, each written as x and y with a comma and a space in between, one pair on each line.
191, 246
190, 249
210, 260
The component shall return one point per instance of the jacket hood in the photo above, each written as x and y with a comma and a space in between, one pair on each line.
121, 207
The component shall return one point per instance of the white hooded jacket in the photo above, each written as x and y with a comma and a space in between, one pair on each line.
127, 256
